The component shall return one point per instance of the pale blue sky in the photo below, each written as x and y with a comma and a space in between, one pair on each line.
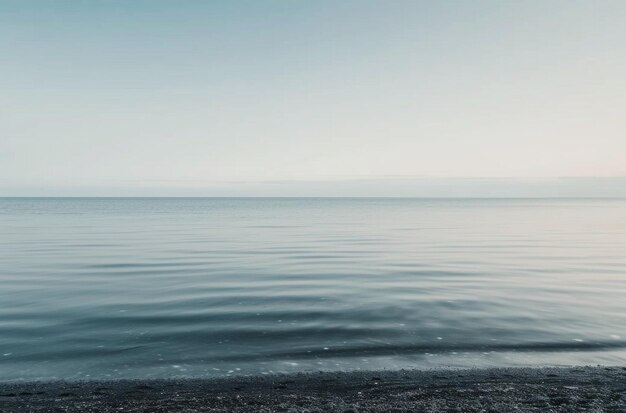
311, 97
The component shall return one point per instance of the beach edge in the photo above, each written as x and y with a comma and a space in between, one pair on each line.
495, 389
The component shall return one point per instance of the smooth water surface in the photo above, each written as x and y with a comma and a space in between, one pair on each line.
108, 288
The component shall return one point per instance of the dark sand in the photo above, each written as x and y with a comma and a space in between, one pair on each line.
583, 389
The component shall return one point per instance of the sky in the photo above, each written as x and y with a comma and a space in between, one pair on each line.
312, 98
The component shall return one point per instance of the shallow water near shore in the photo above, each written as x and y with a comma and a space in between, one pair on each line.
105, 288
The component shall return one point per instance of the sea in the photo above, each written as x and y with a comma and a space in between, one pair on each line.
150, 288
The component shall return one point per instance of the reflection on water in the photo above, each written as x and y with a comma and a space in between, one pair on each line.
103, 288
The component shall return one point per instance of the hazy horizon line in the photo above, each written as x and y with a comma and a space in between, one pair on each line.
322, 197
372, 187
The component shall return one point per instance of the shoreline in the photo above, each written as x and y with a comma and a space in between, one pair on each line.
494, 389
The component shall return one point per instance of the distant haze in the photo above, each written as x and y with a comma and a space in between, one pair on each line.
312, 98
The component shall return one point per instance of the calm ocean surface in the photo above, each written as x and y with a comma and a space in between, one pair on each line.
138, 288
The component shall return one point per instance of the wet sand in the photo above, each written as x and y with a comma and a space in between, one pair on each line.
581, 389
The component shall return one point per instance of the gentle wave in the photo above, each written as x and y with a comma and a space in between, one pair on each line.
155, 287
